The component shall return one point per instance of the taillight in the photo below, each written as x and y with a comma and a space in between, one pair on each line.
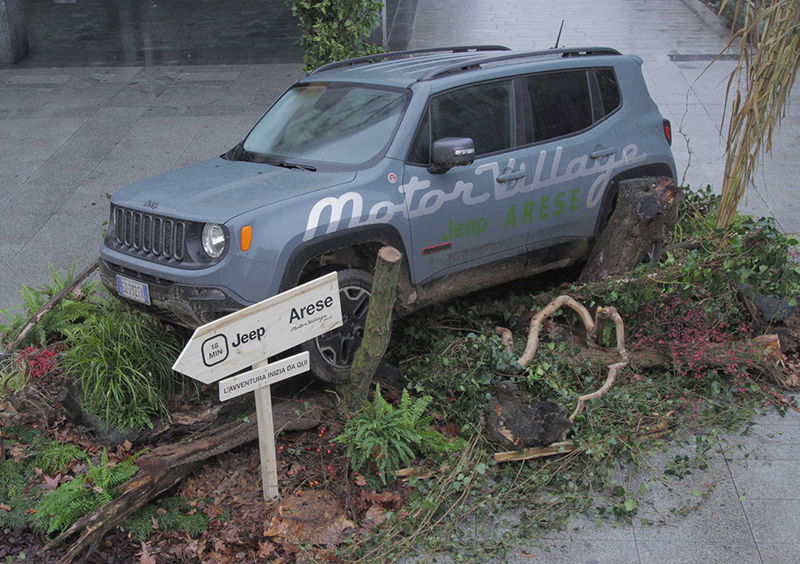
668, 131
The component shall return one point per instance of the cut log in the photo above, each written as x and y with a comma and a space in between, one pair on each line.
377, 330
162, 468
514, 423
645, 213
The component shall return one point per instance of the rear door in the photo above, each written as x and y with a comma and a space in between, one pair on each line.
574, 150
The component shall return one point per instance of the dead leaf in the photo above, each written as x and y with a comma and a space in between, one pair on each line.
361, 481
51, 483
5, 507
385, 498
160, 511
315, 517
265, 549
17, 453
154, 521
146, 557
376, 515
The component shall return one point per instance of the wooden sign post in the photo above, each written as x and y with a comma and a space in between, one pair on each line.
247, 338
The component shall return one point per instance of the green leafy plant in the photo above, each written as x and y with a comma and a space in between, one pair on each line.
123, 362
171, 514
61, 507
336, 29
390, 437
56, 457
57, 322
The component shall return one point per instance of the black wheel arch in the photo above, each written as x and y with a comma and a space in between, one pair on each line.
352, 248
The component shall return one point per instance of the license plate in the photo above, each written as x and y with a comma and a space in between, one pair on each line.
133, 290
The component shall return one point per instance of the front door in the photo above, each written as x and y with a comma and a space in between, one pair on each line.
460, 218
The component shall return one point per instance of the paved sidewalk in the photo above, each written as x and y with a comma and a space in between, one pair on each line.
70, 135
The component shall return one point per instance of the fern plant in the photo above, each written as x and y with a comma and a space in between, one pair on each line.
61, 507
388, 437
55, 457
58, 321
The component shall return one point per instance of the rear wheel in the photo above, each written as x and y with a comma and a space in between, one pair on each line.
332, 354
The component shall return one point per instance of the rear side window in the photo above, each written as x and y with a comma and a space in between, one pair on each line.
482, 112
609, 90
560, 103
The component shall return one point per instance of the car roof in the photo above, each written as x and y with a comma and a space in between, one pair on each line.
403, 68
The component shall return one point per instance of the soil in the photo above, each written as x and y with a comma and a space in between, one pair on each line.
316, 486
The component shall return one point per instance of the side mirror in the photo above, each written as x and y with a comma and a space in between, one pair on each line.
451, 151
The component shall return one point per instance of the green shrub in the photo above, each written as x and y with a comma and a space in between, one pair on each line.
57, 322
123, 362
390, 437
60, 508
336, 29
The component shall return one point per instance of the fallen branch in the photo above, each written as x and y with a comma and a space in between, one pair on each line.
562, 447
37, 317
593, 328
162, 468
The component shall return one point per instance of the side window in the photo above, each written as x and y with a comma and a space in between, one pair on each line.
561, 103
483, 112
609, 90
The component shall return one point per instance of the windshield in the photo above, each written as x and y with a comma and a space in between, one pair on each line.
333, 123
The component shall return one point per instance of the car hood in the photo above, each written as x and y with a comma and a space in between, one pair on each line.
218, 190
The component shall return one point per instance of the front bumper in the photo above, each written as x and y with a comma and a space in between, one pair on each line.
180, 304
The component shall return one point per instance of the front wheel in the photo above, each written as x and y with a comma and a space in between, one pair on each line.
332, 354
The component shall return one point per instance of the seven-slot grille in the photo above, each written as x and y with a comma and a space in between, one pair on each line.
147, 234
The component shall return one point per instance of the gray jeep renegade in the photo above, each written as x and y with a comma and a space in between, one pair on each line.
480, 164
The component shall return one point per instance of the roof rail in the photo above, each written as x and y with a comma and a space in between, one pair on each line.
409, 53
566, 52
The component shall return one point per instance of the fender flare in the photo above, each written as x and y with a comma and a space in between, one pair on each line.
382, 233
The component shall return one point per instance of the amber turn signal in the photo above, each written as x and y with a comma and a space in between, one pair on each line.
246, 237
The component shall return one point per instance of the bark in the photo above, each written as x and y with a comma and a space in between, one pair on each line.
162, 468
645, 214
377, 330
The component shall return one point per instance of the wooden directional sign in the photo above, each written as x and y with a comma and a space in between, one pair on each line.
255, 333
265, 375
247, 338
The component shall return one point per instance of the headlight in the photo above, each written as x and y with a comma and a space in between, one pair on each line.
213, 240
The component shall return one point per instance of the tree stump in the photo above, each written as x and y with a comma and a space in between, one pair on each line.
645, 214
377, 329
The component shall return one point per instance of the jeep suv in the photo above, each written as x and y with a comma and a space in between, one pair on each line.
480, 164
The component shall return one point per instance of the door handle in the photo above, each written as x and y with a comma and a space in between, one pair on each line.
509, 176
600, 153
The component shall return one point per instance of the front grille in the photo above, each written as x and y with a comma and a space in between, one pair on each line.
154, 237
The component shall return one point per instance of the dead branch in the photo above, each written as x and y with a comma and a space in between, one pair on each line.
37, 317
548, 310
506, 337
162, 468
562, 447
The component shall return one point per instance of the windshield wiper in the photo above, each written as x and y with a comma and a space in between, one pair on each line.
285, 164
239, 153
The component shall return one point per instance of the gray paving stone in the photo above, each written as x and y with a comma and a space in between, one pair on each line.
773, 521
767, 479
780, 553
666, 552
577, 551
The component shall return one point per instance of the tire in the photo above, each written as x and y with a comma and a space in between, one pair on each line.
331, 354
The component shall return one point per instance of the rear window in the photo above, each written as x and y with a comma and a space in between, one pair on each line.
609, 90
560, 104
